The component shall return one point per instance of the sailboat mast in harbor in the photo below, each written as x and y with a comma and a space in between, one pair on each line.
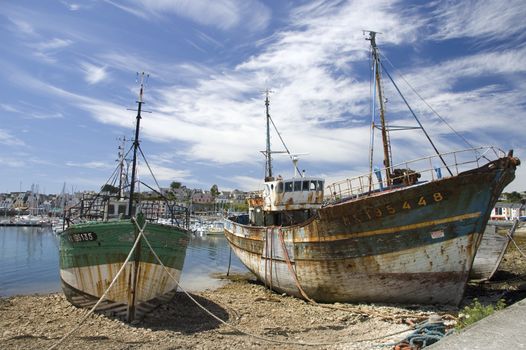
136, 143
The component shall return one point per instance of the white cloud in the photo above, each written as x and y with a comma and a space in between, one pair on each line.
56, 115
243, 183
21, 26
12, 162
6, 138
93, 74
53, 44
488, 20
72, 6
90, 165
9, 108
223, 14
317, 65
163, 173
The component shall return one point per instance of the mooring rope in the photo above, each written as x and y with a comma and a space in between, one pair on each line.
312, 301
511, 232
105, 292
291, 269
255, 336
516, 246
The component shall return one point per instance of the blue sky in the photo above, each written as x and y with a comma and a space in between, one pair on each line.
69, 75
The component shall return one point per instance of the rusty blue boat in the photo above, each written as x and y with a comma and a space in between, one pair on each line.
407, 233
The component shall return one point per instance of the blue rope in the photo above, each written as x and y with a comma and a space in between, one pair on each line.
425, 334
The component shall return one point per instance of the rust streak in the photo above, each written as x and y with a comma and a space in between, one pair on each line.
336, 237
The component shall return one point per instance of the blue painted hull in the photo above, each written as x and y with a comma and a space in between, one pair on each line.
412, 244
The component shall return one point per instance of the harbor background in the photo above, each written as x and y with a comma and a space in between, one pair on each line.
29, 261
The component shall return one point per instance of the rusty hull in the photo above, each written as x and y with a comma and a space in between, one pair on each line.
406, 245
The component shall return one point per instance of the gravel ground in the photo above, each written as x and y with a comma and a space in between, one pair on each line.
267, 320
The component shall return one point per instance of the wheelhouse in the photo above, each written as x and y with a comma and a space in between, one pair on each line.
286, 201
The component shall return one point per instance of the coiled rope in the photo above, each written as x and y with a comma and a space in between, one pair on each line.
426, 333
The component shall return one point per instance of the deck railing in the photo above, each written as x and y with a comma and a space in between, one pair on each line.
415, 171
97, 207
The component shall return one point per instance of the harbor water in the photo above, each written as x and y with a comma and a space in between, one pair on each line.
29, 261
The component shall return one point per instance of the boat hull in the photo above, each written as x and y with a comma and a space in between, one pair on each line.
490, 252
92, 254
408, 245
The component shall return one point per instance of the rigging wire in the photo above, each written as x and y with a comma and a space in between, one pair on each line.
417, 120
427, 104
158, 190
283, 142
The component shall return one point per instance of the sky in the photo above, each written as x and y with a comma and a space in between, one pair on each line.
68, 83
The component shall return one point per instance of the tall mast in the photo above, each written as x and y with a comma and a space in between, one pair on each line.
378, 80
268, 154
136, 145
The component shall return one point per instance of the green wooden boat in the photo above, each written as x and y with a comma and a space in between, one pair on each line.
98, 242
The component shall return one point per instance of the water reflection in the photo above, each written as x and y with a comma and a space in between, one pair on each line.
29, 261
206, 256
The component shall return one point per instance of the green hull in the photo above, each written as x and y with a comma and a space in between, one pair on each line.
91, 255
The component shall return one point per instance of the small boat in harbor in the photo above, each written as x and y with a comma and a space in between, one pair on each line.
407, 233
495, 241
116, 250
216, 227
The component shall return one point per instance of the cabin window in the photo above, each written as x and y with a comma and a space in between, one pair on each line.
297, 186
320, 186
288, 186
280, 187
312, 185
305, 185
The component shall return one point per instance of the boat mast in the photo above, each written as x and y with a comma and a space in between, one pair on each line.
268, 154
378, 80
136, 145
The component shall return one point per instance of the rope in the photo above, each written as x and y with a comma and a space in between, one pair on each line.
105, 292
512, 231
516, 246
291, 269
312, 301
229, 261
425, 334
255, 336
